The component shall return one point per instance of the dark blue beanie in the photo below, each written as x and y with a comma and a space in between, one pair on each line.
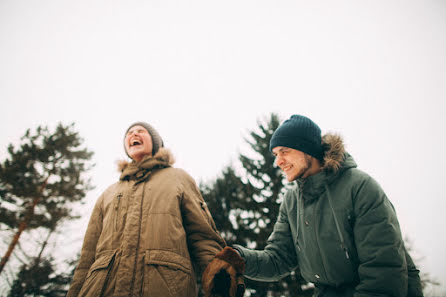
300, 133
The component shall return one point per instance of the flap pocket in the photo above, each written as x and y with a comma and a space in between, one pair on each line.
102, 262
169, 259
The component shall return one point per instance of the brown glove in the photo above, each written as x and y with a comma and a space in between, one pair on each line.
223, 277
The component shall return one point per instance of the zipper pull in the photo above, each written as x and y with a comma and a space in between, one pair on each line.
117, 202
346, 251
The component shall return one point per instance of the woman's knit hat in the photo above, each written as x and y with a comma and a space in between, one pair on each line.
300, 133
157, 141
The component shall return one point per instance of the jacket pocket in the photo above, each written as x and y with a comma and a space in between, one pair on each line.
167, 273
97, 275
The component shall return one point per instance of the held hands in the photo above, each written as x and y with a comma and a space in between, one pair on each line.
223, 276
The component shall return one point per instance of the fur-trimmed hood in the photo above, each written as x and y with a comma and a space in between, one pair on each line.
336, 161
334, 152
163, 158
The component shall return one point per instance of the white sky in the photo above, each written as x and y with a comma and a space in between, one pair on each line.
204, 72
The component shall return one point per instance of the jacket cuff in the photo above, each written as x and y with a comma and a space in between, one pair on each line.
239, 250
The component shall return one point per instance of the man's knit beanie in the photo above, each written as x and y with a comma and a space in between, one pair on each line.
300, 133
157, 141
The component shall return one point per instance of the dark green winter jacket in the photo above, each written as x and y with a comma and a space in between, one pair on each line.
341, 231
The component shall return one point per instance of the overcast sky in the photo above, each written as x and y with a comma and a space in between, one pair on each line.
204, 72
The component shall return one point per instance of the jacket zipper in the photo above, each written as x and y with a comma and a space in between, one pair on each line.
135, 263
117, 210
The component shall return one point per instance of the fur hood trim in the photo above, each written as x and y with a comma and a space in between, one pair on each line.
163, 154
334, 152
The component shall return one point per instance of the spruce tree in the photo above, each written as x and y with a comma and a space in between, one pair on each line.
245, 203
40, 181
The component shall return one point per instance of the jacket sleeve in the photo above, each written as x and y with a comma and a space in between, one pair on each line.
278, 258
88, 249
382, 259
204, 241
414, 288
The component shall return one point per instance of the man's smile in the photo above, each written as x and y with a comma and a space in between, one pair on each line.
135, 142
287, 167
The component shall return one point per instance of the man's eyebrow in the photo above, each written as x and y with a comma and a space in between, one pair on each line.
280, 150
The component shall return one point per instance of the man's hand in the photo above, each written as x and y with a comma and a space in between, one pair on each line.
223, 277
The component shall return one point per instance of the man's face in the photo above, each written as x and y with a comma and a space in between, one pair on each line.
138, 143
294, 164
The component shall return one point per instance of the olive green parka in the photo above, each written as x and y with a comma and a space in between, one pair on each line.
148, 234
339, 228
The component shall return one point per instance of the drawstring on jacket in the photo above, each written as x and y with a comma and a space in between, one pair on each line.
337, 223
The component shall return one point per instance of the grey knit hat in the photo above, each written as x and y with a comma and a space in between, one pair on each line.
157, 141
300, 133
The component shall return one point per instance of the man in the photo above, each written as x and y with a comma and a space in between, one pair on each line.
149, 230
336, 224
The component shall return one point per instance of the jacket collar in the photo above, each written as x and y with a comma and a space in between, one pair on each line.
141, 170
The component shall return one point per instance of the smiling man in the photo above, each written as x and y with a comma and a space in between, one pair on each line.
138, 141
149, 231
336, 224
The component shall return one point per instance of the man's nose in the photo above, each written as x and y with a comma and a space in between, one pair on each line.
279, 160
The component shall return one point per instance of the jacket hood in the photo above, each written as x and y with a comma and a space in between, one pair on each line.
336, 161
335, 156
162, 159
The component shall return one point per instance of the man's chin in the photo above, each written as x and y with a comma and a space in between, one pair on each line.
290, 178
136, 154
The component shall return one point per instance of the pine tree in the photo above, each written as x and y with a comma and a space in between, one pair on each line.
245, 205
39, 277
40, 181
